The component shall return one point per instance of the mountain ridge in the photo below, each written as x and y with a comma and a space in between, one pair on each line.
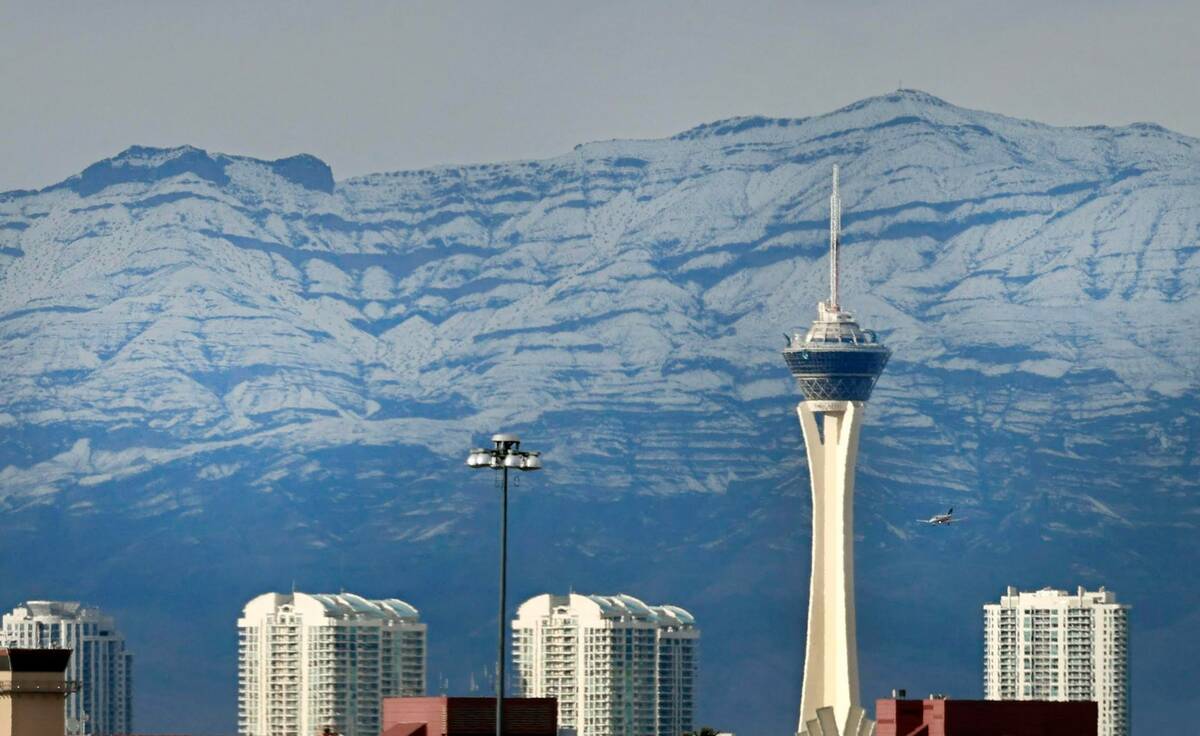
720, 127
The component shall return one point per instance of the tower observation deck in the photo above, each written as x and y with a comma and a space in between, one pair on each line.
836, 360
836, 364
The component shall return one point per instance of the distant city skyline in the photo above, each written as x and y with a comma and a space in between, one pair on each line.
370, 87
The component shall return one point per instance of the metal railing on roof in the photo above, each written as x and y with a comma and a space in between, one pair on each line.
39, 686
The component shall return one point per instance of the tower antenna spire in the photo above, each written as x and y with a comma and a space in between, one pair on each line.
835, 232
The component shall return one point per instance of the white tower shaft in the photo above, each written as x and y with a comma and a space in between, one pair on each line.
835, 233
830, 699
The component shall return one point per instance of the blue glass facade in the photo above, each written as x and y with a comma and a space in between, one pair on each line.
836, 372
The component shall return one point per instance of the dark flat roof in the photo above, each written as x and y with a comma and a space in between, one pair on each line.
34, 660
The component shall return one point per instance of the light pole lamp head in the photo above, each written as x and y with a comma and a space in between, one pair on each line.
479, 458
532, 462
513, 461
506, 441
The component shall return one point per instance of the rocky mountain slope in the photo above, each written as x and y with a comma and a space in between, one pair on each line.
223, 375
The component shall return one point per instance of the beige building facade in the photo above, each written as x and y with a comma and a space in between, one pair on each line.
33, 689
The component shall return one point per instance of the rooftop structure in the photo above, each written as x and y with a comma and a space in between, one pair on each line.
937, 716
456, 716
32, 691
836, 364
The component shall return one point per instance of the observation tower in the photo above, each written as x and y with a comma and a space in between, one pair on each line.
836, 364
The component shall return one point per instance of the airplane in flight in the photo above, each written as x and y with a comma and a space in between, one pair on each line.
941, 519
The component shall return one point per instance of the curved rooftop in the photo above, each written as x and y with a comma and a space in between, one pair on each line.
58, 611
622, 605
619, 606
335, 605
675, 614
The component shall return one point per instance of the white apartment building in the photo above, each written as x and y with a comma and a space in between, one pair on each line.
307, 661
617, 666
102, 669
1054, 645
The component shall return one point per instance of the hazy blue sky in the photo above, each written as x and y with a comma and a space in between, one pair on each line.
384, 86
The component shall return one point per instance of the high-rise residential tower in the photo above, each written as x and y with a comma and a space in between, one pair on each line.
101, 668
1054, 645
835, 364
311, 661
617, 666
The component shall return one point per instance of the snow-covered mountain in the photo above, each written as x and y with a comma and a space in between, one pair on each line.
223, 375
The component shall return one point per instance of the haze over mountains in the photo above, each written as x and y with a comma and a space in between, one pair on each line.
224, 376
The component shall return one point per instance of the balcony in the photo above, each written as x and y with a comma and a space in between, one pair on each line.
49, 687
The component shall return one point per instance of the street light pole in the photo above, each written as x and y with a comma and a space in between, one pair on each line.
505, 454
500, 637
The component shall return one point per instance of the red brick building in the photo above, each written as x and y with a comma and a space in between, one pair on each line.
446, 716
946, 717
